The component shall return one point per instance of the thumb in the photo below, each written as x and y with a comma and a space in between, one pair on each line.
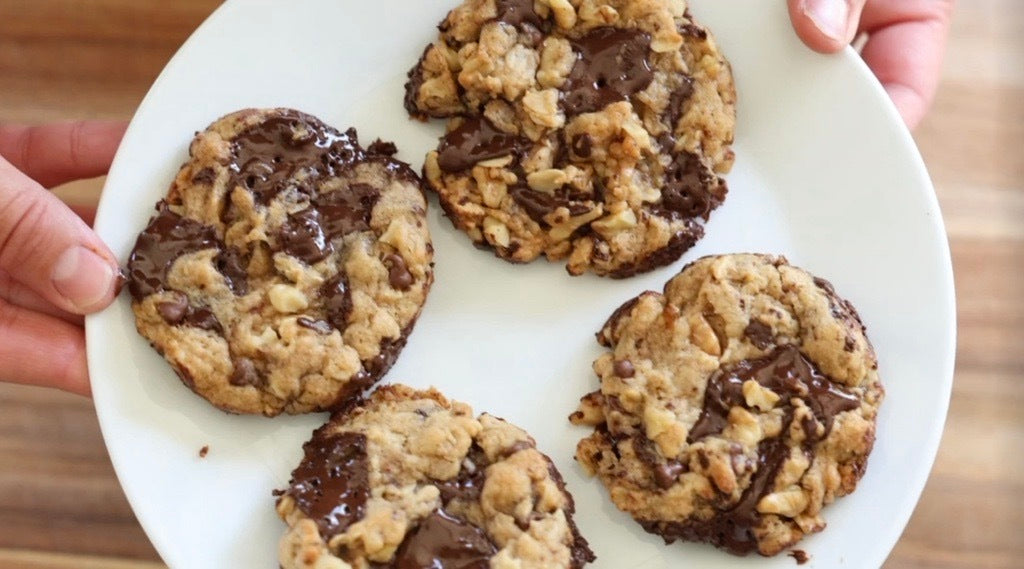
826, 26
49, 249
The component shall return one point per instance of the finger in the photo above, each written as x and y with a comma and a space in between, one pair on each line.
37, 349
20, 295
53, 154
86, 213
48, 248
906, 42
826, 26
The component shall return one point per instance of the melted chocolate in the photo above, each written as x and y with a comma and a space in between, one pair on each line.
786, 372
732, 530
331, 484
167, 237
309, 234
346, 210
337, 300
467, 485
442, 541
687, 188
519, 13
672, 250
611, 66
290, 150
613, 321
677, 103
474, 140
232, 265
413, 84
303, 237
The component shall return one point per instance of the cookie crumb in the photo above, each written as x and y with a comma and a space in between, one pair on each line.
800, 556
204, 451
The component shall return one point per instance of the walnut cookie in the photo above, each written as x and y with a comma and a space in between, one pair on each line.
592, 130
410, 479
734, 406
285, 267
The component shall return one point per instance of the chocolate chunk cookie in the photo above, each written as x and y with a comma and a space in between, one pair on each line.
592, 130
285, 267
409, 479
734, 406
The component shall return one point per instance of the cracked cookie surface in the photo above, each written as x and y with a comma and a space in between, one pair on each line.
589, 130
733, 406
408, 478
285, 267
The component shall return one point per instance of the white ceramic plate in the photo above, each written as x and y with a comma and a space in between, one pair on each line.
825, 174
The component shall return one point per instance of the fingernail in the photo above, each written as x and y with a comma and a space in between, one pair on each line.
82, 277
829, 16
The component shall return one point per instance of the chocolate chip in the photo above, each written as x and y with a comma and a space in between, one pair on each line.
443, 541
399, 276
624, 369
245, 373
318, 326
800, 556
693, 31
582, 145
759, 334
203, 318
611, 66
173, 310
475, 140
204, 451
204, 176
665, 475
332, 483
535, 204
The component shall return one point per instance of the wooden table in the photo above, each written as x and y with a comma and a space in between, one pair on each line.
60, 503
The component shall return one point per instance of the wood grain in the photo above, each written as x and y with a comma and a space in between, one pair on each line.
61, 505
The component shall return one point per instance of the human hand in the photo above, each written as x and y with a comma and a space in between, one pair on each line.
906, 42
53, 268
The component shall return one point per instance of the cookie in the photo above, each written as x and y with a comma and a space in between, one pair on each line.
286, 266
595, 131
733, 406
410, 479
